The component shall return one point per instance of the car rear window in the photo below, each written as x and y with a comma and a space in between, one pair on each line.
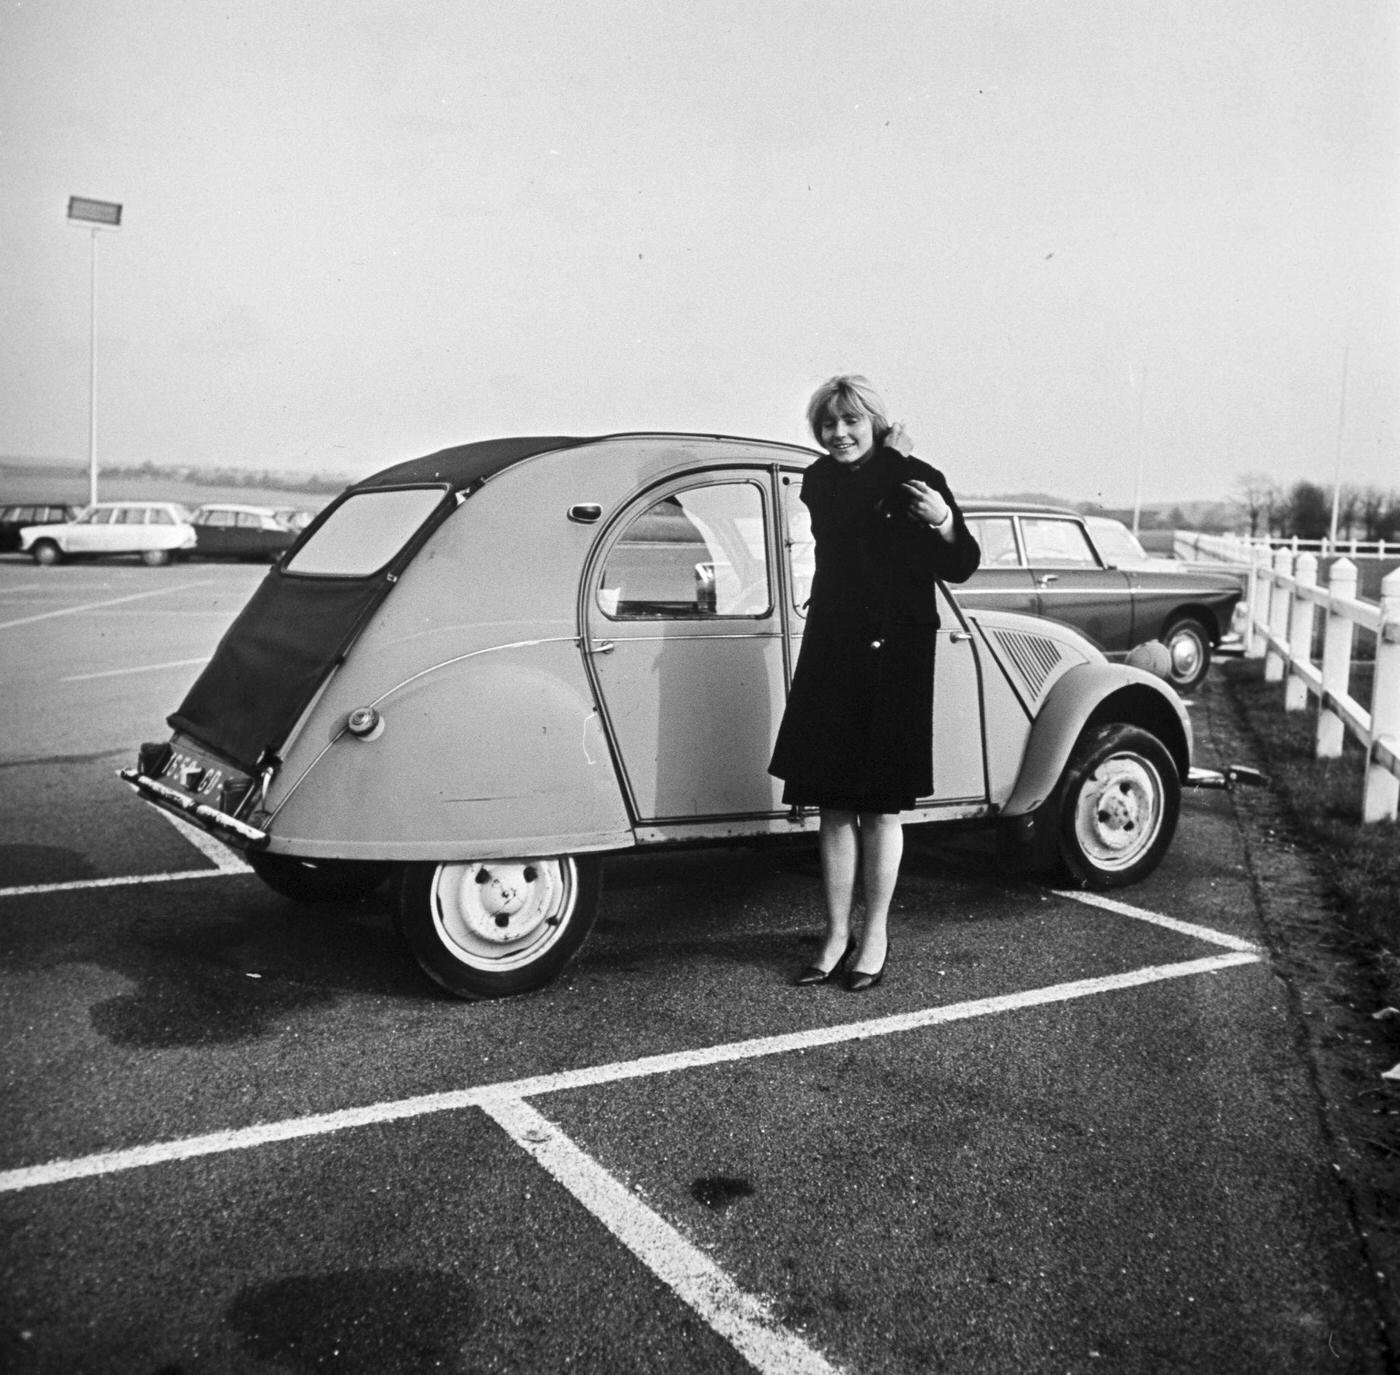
365, 531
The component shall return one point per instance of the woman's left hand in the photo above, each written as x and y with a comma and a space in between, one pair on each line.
924, 504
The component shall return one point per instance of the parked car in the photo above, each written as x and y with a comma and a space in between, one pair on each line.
1118, 546
1042, 560
156, 530
295, 517
227, 531
485, 668
14, 518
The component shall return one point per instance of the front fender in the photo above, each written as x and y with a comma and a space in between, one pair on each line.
1091, 695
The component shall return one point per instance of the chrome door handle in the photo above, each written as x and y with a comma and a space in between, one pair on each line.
960, 637
601, 647
1045, 579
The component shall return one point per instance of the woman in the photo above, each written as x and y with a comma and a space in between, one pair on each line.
856, 740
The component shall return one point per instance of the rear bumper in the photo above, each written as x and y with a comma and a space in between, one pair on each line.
182, 779
227, 828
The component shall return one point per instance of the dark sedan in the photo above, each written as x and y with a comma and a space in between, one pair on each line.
227, 531
15, 517
1043, 560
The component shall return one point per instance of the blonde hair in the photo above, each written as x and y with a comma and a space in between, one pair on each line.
848, 391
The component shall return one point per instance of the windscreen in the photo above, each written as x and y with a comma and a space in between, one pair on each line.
364, 532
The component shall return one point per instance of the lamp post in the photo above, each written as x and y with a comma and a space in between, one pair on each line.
97, 215
1337, 467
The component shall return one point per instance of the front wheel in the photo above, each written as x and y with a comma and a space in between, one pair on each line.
1188, 649
155, 558
1120, 797
46, 553
488, 928
318, 880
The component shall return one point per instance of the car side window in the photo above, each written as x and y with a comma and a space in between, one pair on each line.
246, 520
997, 536
105, 516
1057, 543
693, 555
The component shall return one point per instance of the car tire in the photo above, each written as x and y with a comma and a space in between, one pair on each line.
1188, 649
491, 928
318, 880
1118, 803
46, 553
155, 558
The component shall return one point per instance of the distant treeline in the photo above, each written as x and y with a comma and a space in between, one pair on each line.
327, 483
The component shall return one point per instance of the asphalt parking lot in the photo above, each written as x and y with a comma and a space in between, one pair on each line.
1066, 1134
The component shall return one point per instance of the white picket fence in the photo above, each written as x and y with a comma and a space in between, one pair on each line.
1284, 600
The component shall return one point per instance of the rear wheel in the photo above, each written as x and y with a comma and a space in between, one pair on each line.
488, 928
1188, 648
155, 558
47, 553
1119, 800
318, 880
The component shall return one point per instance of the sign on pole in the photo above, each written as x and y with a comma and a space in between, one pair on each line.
94, 212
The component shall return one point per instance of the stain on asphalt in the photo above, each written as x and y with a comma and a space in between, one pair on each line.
200, 983
720, 1191
203, 980
361, 1322
24, 864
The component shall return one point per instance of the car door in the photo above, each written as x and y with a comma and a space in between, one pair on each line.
1002, 581
959, 745
249, 540
1073, 585
212, 532
684, 643
104, 534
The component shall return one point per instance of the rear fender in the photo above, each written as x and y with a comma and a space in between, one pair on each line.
1090, 695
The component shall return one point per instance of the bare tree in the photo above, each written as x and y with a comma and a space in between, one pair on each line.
1258, 497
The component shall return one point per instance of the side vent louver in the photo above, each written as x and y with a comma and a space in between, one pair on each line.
1034, 657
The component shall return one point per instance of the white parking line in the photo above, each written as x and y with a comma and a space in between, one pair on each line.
741, 1318
322, 1124
140, 668
224, 859
97, 606
25, 890
1185, 928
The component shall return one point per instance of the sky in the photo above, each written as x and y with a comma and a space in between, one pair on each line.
1103, 249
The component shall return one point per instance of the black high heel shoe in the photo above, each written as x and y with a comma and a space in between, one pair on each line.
857, 981
815, 974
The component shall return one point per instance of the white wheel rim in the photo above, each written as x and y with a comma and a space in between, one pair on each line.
500, 915
1118, 813
1185, 650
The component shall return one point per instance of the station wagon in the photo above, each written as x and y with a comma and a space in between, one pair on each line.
480, 671
155, 530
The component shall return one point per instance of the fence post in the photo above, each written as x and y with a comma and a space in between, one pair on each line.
1336, 659
1378, 802
1257, 601
1300, 629
1278, 615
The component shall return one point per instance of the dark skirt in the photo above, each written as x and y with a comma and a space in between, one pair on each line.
857, 734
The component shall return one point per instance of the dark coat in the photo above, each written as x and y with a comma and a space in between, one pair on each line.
858, 729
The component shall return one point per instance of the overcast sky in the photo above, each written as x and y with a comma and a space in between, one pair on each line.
359, 231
